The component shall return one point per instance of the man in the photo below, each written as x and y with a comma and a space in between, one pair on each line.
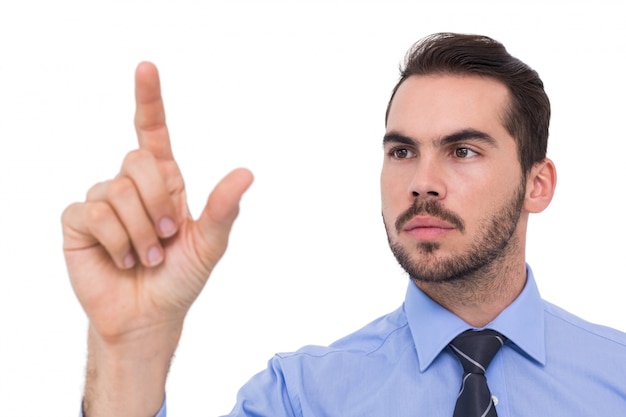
464, 166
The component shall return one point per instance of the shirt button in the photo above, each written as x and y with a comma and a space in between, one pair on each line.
495, 400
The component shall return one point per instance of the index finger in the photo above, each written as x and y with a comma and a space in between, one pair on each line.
150, 113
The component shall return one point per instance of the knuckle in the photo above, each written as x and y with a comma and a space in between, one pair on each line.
98, 213
95, 192
135, 157
120, 187
68, 213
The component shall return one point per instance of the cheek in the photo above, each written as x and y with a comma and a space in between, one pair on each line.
394, 201
391, 191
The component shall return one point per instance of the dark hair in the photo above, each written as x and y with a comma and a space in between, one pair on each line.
527, 117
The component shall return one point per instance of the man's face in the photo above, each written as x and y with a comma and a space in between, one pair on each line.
452, 186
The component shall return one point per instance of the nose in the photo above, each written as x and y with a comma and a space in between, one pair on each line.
428, 180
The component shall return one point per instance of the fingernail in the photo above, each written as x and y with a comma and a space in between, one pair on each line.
154, 256
167, 227
129, 261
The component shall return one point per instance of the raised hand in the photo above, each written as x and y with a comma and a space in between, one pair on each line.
136, 258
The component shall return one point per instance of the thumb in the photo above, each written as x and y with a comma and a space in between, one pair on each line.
222, 207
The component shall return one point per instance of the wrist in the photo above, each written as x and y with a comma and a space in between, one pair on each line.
126, 376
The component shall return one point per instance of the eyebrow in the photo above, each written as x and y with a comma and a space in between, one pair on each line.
458, 136
393, 137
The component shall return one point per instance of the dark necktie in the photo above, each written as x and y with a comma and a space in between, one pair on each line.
475, 350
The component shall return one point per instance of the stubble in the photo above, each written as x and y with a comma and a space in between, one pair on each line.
493, 242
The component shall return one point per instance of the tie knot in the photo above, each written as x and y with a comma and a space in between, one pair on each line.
476, 349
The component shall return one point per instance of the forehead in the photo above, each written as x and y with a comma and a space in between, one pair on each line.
434, 105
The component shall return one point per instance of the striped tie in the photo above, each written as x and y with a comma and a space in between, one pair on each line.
475, 350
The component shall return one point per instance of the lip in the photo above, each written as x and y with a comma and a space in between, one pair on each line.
427, 228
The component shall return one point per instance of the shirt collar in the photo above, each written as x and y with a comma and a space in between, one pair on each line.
433, 327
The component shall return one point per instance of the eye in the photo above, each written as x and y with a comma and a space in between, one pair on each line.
401, 153
464, 153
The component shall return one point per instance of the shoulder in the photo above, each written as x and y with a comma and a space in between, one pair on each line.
387, 333
355, 363
571, 327
316, 380
584, 357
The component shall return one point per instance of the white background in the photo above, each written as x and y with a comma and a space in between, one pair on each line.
296, 91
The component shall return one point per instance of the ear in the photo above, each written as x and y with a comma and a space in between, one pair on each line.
540, 186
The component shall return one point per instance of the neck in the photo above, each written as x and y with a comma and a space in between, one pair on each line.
479, 297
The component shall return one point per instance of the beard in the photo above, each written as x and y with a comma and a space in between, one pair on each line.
492, 242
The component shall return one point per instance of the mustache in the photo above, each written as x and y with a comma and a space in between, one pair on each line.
432, 208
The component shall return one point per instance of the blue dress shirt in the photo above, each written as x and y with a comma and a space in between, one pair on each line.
553, 364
